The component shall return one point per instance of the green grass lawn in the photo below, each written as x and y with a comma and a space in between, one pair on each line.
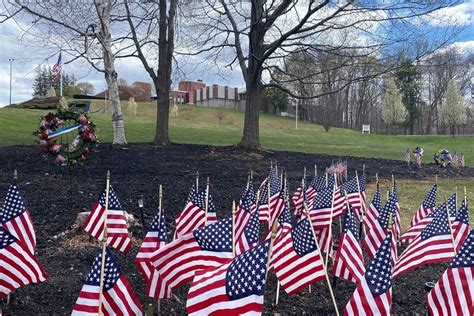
198, 125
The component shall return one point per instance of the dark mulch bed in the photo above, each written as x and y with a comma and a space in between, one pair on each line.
56, 194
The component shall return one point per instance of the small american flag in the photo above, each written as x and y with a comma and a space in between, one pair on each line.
249, 238
374, 209
407, 156
414, 231
373, 295
15, 217
265, 205
418, 159
298, 200
379, 231
206, 247
117, 232
18, 266
426, 207
194, 214
118, 297
355, 194
156, 238
349, 261
461, 225
397, 221
434, 244
454, 292
56, 69
461, 160
455, 158
316, 185
233, 288
320, 213
278, 203
247, 206
296, 258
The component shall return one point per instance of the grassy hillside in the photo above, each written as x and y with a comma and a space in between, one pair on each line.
199, 125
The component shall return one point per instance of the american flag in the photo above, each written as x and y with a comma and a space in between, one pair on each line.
349, 261
316, 185
407, 156
397, 221
379, 231
426, 207
461, 225
410, 235
207, 247
247, 206
233, 288
15, 217
296, 258
355, 195
298, 199
118, 297
373, 295
18, 266
278, 203
275, 186
320, 213
117, 232
249, 238
418, 159
373, 211
461, 159
156, 238
454, 292
56, 69
434, 244
194, 214
455, 158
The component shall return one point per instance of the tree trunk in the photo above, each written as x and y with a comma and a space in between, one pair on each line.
251, 136
111, 76
165, 62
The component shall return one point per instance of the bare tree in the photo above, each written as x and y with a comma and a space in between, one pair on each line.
259, 34
83, 31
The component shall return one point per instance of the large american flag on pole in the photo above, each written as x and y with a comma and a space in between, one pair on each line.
118, 297
454, 292
373, 211
194, 214
414, 231
15, 217
156, 238
233, 288
117, 232
379, 231
296, 258
373, 295
56, 69
434, 244
18, 265
426, 207
207, 247
349, 260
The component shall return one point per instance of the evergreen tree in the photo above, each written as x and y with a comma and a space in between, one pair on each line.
408, 81
41, 83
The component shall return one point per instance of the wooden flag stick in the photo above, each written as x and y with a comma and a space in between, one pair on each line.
376, 178
197, 181
436, 179
233, 228
160, 205
362, 204
268, 199
449, 223
321, 258
330, 219
465, 196
363, 168
456, 205
327, 179
206, 203
393, 182
304, 172
315, 170
104, 243
15, 175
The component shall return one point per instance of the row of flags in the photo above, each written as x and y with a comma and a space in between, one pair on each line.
227, 262
456, 159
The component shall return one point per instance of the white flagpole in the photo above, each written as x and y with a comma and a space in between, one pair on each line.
61, 83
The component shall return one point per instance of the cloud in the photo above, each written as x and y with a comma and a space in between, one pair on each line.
459, 15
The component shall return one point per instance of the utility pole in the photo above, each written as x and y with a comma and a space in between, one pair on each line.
11, 60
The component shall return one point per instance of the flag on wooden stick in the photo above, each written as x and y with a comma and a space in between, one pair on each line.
374, 209
18, 266
15, 217
426, 207
117, 231
454, 292
117, 298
